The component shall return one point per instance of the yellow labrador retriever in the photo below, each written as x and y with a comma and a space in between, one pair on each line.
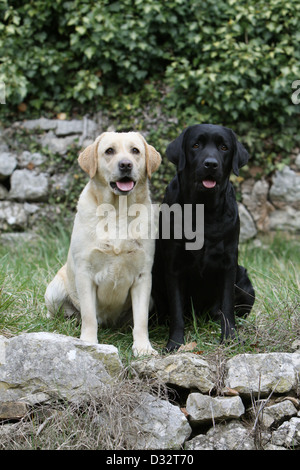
108, 269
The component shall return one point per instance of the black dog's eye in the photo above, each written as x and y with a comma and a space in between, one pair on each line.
135, 150
223, 147
109, 151
195, 146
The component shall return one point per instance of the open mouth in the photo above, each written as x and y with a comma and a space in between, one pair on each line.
124, 185
209, 183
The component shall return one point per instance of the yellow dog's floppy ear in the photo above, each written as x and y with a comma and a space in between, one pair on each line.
88, 159
153, 158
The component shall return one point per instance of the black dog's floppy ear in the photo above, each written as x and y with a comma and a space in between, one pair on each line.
240, 155
175, 152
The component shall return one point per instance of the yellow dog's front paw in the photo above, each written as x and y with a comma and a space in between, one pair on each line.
143, 350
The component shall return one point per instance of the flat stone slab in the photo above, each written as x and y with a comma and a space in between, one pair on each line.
182, 369
263, 373
54, 364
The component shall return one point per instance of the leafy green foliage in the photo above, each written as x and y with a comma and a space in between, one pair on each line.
226, 62
81, 50
241, 60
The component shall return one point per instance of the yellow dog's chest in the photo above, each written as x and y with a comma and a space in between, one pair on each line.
117, 264
114, 268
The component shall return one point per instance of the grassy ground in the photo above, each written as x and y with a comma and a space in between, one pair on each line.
272, 262
25, 270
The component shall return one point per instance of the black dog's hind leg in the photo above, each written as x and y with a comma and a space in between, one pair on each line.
228, 330
244, 293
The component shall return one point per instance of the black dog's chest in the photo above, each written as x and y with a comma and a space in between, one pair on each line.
213, 257
212, 252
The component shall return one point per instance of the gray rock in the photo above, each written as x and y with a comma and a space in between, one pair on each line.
288, 434
13, 238
27, 158
60, 183
29, 186
8, 163
229, 436
163, 425
273, 447
3, 146
285, 189
295, 346
3, 192
41, 123
255, 198
31, 208
204, 408
58, 145
64, 127
90, 128
253, 374
247, 228
182, 369
55, 365
86, 126
12, 216
287, 220
278, 412
13, 410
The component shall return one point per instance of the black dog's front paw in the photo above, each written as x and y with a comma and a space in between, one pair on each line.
173, 345
230, 336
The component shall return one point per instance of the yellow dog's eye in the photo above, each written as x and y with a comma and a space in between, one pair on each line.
135, 150
109, 151
223, 147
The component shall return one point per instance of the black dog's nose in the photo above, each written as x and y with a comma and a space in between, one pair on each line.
125, 165
211, 163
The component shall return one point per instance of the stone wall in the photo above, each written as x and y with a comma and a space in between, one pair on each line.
248, 402
29, 181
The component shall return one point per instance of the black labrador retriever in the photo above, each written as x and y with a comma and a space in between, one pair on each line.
204, 276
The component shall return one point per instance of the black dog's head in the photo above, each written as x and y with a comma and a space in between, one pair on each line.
209, 153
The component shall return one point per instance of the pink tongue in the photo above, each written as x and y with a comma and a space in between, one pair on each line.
209, 183
125, 185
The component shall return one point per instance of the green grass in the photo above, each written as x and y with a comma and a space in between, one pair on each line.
273, 264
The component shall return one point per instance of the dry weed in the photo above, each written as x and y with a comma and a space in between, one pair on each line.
107, 423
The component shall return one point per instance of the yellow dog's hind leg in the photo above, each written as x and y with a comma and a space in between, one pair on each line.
56, 296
